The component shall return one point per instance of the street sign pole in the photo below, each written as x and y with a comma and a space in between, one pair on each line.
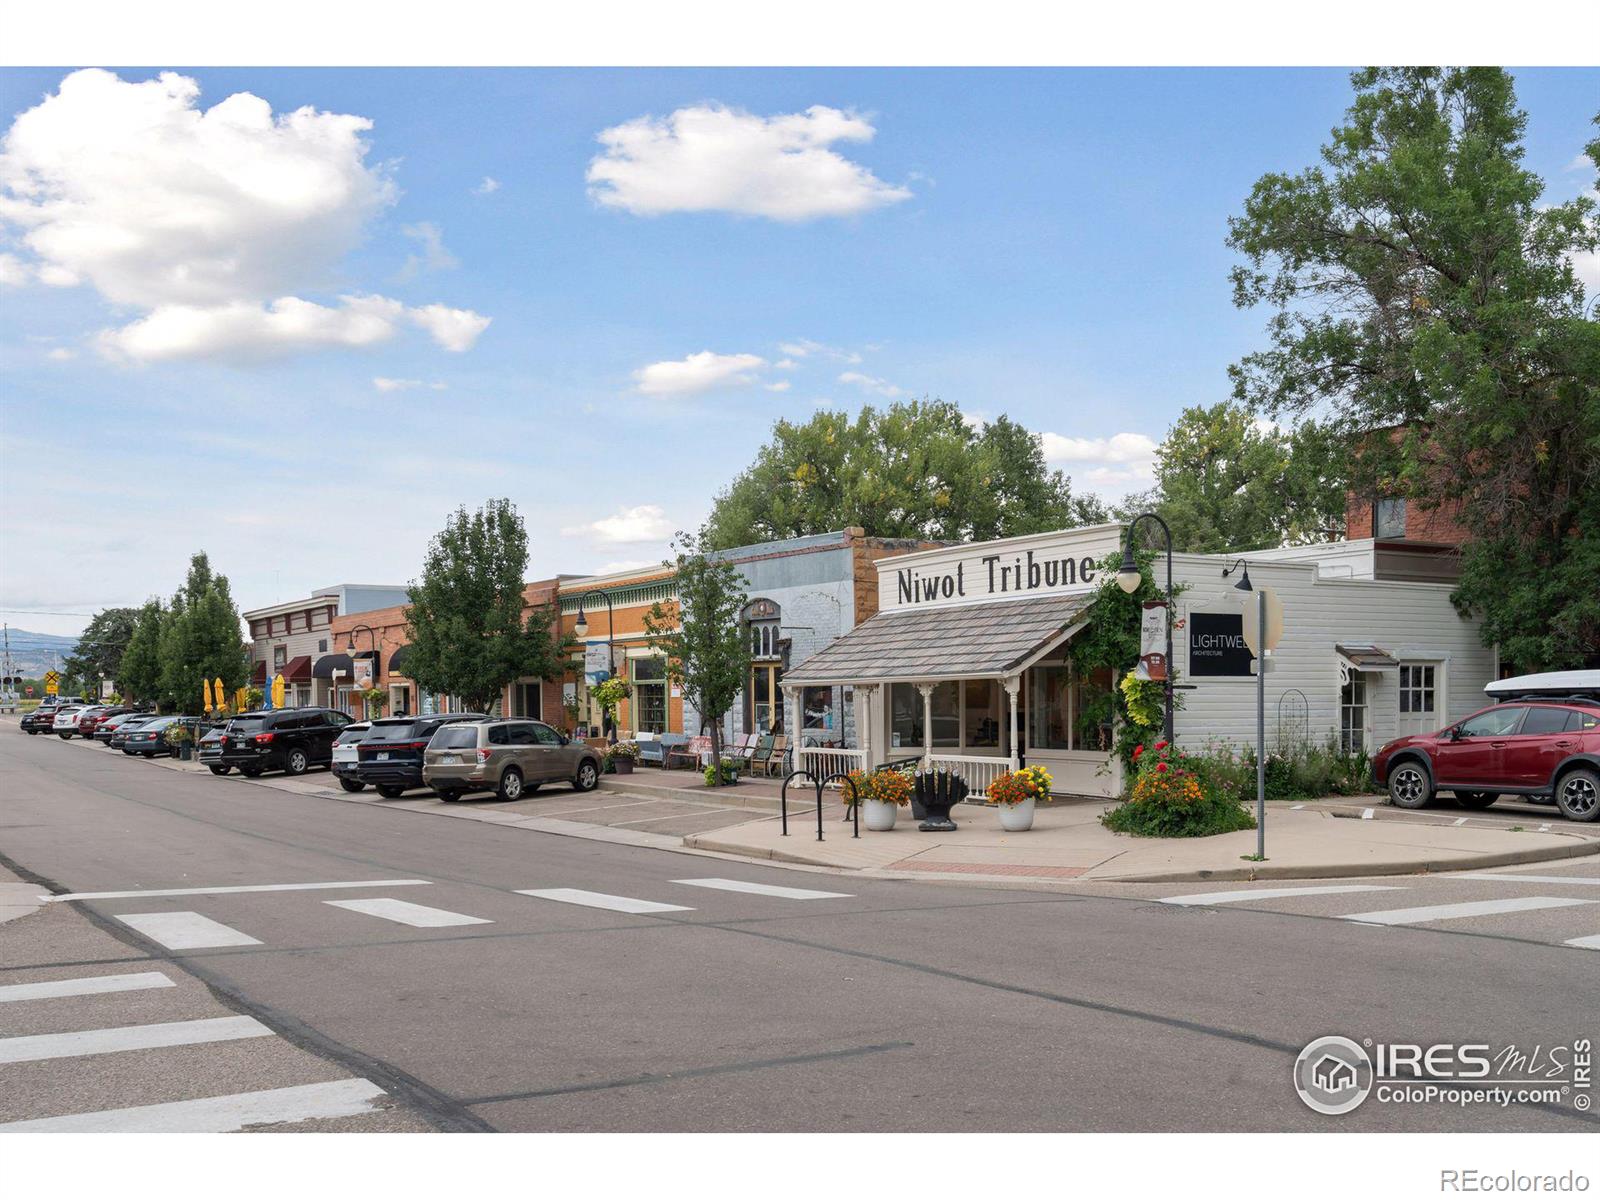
1261, 729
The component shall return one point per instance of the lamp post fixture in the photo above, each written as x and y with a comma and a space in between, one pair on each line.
581, 628
1129, 577
351, 649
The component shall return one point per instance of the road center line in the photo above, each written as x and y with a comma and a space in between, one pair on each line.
227, 891
186, 930
763, 889
1454, 912
1244, 895
1592, 942
218, 1114
92, 986
625, 904
406, 913
129, 1037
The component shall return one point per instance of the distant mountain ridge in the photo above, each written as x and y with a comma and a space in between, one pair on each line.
35, 653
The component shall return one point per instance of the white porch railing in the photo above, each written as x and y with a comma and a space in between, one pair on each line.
823, 761
978, 771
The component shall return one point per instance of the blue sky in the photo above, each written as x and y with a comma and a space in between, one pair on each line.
1044, 243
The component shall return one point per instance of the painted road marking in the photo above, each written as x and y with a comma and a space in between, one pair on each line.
1453, 912
405, 913
219, 1114
1586, 880
1277, 893
1461, 820
625, 904
1592, 942
129, 1037
1366, 814
92, 986
226, 891
1544, 828
763, 889
186, 930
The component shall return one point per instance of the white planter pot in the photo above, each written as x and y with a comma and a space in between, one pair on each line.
1017, 818
879, 814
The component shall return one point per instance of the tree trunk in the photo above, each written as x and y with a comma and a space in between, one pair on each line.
716, 753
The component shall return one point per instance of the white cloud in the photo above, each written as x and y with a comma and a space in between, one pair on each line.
1121, 462
785, 364
709, 158
432, 255
489, 184
385, 384
805, 347
61, 354
208, 221
697, 373
13, 271
456, 329
643, 523
781, 385
870, 383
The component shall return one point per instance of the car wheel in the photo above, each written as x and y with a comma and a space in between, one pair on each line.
352, 785
296, 762
1476, 799
448, 795
251, 772
389, 792
33, 733
149, 753
510, 785
65, 737
1409, 785
588, 775
1578, 795
219, 770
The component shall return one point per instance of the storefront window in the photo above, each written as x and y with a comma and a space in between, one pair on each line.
984, 711
650, 695
946, 713
1065, 711
906, 700
906, 714
816, 704
1353, 714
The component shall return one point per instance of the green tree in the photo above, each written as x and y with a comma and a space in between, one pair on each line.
99, 651
1225, 481
701, 636
139, 673
200, 639
466, 627
1425, 299
917, 469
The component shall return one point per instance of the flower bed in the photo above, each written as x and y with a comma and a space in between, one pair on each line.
1174, 796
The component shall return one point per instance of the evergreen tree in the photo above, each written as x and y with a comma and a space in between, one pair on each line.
201, 639
139, 672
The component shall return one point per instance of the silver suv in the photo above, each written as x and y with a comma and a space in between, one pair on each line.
511, 758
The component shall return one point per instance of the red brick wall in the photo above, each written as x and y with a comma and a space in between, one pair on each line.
1424, 523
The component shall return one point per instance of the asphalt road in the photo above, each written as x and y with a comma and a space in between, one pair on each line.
895, 1006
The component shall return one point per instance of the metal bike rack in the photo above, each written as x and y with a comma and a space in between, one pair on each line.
855, 801
783, 800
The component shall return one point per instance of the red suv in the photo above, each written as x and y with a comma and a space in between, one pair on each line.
1523, 748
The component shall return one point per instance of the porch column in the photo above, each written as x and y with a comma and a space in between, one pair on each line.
864, 724
795, 723
1013, 686
927, 725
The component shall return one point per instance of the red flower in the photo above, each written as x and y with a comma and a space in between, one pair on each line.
1161, 766
1137, 750
1161, 745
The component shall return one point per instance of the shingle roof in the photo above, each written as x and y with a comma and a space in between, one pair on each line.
944, 643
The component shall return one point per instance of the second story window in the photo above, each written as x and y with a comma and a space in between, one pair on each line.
1389, 518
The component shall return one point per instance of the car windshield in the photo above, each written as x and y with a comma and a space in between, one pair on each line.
455, 737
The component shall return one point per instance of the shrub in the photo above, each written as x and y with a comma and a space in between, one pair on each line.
730, 772
1176, 796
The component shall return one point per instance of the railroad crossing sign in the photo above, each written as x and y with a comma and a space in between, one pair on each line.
52, 682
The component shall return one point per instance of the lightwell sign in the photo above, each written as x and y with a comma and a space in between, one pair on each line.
1216, 644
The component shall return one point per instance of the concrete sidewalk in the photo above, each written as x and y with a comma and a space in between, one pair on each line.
1068, 842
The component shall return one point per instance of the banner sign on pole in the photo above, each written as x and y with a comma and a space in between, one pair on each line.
1153, 641
362, 673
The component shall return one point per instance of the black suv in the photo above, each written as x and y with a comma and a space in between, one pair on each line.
290, 740
391, 753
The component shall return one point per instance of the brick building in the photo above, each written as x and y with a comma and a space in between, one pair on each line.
287, 639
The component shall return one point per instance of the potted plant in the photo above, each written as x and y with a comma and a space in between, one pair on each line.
1016, 794
881, 795
620, 759
608, 694
178, 738
730, 773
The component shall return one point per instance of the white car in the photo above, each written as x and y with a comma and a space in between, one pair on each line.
346, 753
65, 723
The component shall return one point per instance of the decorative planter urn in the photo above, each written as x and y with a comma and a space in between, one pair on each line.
879, 814
624, 766
1017, 818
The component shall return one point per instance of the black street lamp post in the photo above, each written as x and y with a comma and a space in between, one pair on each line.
581, 628
1129, 578
351, 650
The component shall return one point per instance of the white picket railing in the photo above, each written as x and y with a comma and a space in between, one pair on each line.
823, 761
978, 771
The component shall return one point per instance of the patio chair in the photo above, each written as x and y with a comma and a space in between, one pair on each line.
655, 751
762, 755
695, 754
777, 763
744, 748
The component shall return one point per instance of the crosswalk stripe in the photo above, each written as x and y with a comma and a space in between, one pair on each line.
218, 1114
91, 986
1584, 880
1592, 942
229, 891
1247, 894
129, 1037
405, 913
1453, 912
625, 904
763, 889
186, 930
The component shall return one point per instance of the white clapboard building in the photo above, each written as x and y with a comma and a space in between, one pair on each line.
965, 663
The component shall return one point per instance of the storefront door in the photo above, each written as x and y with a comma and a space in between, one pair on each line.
766, 701
1419, 698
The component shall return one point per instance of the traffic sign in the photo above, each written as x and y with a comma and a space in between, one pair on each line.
52, 682
1274, 622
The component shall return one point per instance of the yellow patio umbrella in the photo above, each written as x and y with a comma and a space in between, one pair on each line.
277, 691
206, 684
241, 699
221, 703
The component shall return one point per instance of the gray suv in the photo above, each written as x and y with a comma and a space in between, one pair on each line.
511, 758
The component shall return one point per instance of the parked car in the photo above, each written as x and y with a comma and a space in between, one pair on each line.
209, 749
149, 740
345, 755
1534, 749
39, 720
390, 756
65, 722
90, 719
511, 758
104, 730
119, 737
291, 740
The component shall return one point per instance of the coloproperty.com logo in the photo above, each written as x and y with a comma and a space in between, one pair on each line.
1335, 1075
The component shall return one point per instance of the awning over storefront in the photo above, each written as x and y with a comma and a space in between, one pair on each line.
397, 660
1366, 658
258, 675
328, 663
972, 641
298, 670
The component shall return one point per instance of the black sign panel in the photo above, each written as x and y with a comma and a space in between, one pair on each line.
1216, 644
